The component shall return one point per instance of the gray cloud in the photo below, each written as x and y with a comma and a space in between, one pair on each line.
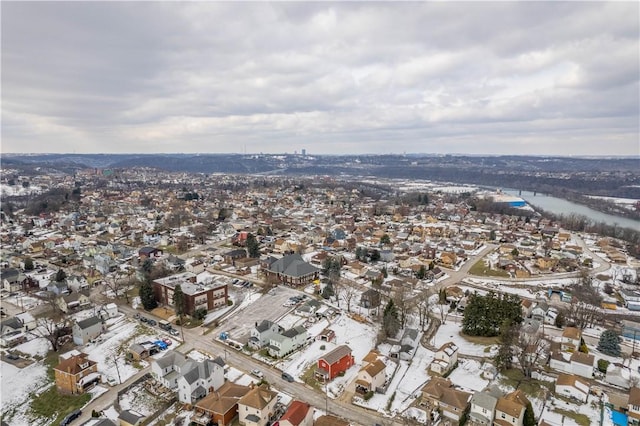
354, 77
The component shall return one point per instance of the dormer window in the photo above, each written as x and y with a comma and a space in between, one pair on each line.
84, 365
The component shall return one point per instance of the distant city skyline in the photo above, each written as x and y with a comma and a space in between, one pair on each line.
503, 78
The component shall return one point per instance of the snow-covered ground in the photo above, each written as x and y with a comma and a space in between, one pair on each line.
468, 375
450, 332
17, 385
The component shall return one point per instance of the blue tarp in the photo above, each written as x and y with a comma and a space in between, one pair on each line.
619, 419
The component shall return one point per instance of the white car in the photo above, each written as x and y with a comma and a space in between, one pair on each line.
257, 373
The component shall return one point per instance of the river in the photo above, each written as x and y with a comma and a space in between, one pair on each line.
561, 206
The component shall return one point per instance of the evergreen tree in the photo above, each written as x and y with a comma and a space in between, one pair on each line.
390, 320
442, 296
253, 248
421, 273
529, 416
485, 315
28, 264
179, 301
374, 255
385, 239
61, 275
147, 297
609, 343
328, 292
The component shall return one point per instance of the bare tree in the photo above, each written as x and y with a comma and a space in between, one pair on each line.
348, 293
200, 232
120, 283
422, 306
53, 329
441, 309
404, 301
529, 348
583, 314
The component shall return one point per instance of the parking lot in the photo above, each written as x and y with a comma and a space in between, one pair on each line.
268, 307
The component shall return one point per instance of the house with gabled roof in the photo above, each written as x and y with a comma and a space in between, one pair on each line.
334, 362
582, 364
572, 386
288, 341
198, 379
440, 393
510, 409
262, 332
571, 337
372, 376
257, 406
445, 358
192, 379
86, 329
483, 406
292, 270
76, 373
220, 407
329, 420
73, 302
130, 418
298, 414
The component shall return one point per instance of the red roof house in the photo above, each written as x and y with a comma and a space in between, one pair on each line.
298, 414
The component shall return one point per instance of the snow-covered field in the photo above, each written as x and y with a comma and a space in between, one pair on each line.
17, 384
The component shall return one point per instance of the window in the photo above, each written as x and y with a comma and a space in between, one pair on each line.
502, 415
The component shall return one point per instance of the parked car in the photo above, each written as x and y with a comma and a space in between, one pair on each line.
162, 345
168, 341
12, 356
151, 322
70, 417
288, 377
174, 332
257, 373
143, 319
137, 315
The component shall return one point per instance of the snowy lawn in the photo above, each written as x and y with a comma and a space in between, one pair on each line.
468, 375
17, 384
450, 332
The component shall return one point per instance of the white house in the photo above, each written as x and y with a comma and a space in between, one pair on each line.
372, 376
262, 332
572, 386
582, 364
87, 329
445, 359
198, 379
560, 361
108, 311
28, 321
571, 337
167, 369
192, 379
281, 345
483, 406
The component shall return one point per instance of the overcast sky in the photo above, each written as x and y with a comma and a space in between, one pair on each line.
333, 78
